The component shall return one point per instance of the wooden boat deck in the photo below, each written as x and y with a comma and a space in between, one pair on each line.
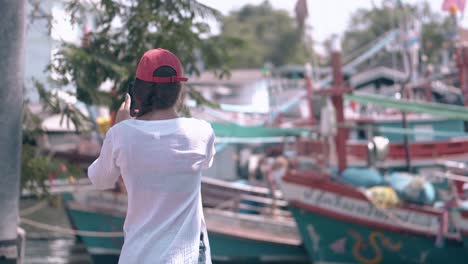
256, 227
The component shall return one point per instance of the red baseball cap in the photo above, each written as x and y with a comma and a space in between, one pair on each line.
155, 58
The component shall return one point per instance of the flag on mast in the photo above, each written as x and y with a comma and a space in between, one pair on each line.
459, 5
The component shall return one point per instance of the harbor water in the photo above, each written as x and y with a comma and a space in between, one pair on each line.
47, 247
55, 251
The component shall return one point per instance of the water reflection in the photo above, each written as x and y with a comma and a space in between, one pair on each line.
55, 251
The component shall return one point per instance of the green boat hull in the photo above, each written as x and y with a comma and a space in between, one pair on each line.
224, 248
331, 240
231, 249
104, 250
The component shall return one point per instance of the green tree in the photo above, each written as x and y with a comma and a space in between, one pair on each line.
123, 31
268, 35
366, 25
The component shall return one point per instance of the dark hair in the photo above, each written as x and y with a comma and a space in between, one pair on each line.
149, 96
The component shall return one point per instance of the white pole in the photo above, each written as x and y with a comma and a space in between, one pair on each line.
12, 30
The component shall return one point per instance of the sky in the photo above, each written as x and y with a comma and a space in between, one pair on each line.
326, 17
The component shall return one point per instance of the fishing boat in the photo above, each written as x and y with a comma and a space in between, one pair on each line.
438, 131
341, 223
244, 226
428, 136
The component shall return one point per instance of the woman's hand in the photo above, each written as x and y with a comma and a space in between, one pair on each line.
124, 111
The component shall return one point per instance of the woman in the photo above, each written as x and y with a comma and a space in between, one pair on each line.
160, 157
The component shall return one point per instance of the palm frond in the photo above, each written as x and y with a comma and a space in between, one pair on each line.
205, 11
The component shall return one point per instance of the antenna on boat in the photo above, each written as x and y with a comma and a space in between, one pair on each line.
310, 92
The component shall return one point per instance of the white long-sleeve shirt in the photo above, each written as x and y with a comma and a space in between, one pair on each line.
161, 163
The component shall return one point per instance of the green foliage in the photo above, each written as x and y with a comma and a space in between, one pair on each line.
435, 38
366, 25
37, 167
53, 104
124, 31
31, 126
267, 35
34, 170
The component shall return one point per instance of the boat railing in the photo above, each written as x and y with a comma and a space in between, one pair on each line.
219, 193
219, 184
457, 172
251, 204
228, 204
454, 166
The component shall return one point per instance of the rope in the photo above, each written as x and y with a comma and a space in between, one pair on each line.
443, 225
33, 208
389, 214
69, 231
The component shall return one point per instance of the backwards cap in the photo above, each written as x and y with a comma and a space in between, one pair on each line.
155, 58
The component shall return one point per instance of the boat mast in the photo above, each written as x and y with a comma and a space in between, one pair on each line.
427, 85
461, 56
408, 65
337, 100
462, 64
336, 92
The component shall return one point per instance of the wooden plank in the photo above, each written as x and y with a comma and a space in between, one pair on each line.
260, 228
